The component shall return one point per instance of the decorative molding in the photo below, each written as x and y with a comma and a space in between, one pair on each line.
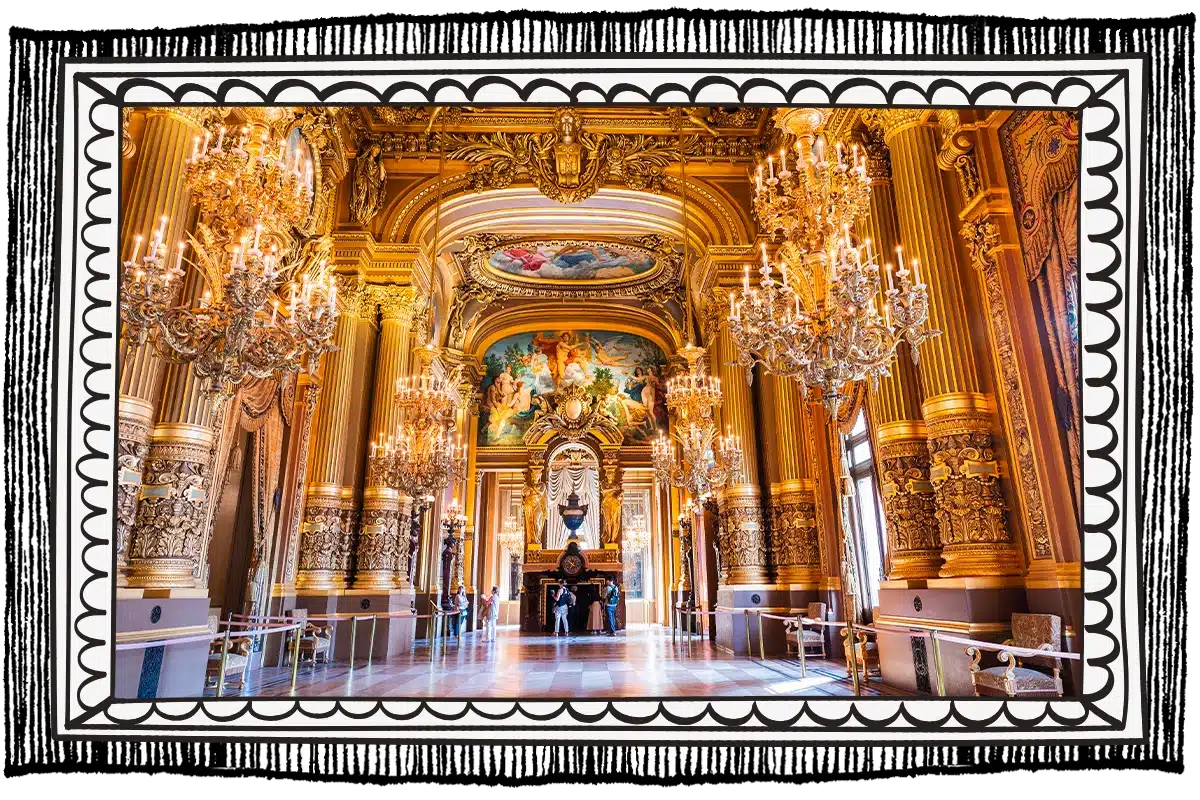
983, 239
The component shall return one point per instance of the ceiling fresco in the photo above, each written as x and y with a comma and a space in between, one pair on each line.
575, 261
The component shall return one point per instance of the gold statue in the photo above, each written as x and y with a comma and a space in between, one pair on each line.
568, 152
612, 498
369, 175
534, 504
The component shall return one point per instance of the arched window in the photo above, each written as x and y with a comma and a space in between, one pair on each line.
866, 512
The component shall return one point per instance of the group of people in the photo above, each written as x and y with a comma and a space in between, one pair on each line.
564, 599
489, 612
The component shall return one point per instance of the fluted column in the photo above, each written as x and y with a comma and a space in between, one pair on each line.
383, 543
155, 190
795, 551
321, 534
970, 507
741, 541
901, 438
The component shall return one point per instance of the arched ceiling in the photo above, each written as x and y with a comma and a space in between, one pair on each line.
713, 216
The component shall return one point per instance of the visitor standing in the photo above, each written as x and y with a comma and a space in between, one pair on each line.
562, 604
612, 596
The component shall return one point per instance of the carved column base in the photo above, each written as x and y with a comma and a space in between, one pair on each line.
971, 515
909, 505
321, 535
742, 541
168, 536
975, 560
160, 573
796, 552
134, 420
378, 540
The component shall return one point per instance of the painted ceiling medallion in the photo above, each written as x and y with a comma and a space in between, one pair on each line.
553, 267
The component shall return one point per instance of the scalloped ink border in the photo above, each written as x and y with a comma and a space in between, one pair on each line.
91, 348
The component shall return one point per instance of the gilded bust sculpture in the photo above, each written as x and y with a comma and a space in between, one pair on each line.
568, 153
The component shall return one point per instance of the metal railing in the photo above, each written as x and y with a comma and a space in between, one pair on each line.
794, 624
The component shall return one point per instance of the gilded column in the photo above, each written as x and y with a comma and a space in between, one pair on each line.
154, 191
383, 542
901, 438
319, 564
971, 512
356, 436
795, 552
741, 540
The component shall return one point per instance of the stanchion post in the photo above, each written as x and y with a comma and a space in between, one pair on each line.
296, 653
762, 648
800, 646
353, 637
852, 657
224, 656
746, 622
936, 654
371, 646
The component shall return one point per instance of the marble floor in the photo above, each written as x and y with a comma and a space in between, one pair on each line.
640, 662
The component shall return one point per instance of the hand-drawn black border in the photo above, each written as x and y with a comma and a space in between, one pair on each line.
208, 707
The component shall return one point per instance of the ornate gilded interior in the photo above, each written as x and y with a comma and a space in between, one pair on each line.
553, 264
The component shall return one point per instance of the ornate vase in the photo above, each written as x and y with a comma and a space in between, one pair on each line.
573, 513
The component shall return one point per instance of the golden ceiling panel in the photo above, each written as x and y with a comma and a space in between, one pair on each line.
664, 120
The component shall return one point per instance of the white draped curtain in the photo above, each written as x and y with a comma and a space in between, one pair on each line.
584, 481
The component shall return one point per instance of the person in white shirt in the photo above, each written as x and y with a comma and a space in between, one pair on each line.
492, 613
464, 608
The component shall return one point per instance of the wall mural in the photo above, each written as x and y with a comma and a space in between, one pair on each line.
626, 372
572, 262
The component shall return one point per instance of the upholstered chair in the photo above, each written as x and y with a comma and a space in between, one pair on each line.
316, 642
866, 654
812, 636
237, 657
1031, 676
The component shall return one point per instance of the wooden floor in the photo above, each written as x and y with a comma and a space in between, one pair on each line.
641, 662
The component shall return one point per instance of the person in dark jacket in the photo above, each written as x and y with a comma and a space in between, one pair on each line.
612, 597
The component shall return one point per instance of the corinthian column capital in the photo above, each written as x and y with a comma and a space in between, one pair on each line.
887, 122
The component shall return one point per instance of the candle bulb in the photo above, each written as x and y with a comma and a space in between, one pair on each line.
783, 159
220, 138
900, 259
274, 312
916, 272
179, 256
746, 279
888, 269
207, 139
137, 245
771, 166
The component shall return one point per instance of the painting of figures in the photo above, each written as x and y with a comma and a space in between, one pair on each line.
624, 372
574, 262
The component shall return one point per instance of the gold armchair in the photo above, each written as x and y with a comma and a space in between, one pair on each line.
316, 641
1032, 676
237, 659
807, 635
866, 654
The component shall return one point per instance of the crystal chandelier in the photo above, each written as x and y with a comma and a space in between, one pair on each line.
699, 460
242, 190
636, 536
823, 326
512, 536
424, 456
